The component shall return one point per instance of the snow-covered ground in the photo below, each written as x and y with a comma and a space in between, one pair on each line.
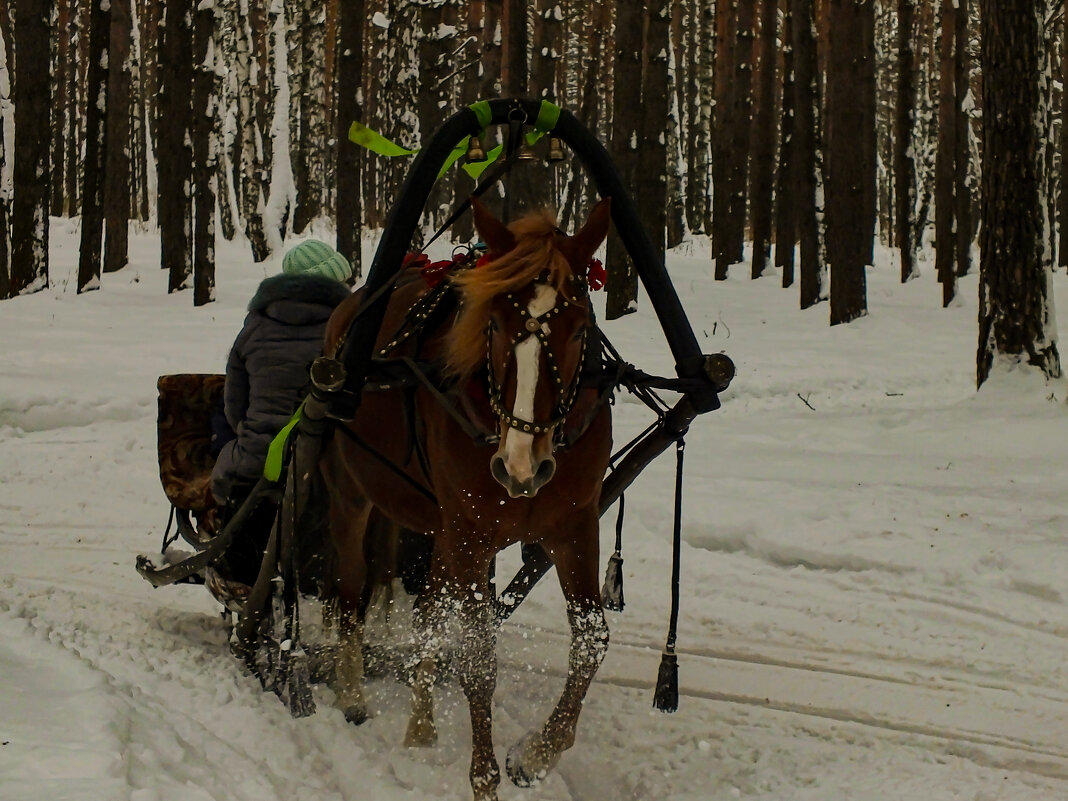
875, 577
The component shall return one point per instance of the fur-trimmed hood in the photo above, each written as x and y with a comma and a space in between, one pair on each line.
304, 288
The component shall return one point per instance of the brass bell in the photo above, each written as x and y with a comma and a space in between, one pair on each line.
556, 150
525, 153
474, 150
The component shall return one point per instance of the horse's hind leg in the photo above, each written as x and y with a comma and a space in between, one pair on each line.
534, 755
347, 525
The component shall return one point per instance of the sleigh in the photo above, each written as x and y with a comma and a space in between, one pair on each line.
374, 354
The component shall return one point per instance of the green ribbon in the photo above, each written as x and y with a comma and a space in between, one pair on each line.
548, 116
272, 468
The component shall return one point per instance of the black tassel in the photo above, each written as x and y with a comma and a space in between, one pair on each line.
612, 591
666, 698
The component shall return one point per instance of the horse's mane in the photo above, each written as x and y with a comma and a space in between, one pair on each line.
535, 252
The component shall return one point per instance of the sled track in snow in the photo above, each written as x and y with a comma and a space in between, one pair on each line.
992, 727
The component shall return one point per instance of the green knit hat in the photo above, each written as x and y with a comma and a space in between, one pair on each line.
313, 257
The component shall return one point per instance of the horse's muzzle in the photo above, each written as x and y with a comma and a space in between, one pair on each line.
522, 487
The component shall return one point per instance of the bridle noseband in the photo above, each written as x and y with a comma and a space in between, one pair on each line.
565, 394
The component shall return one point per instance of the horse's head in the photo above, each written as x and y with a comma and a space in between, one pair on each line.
524, 319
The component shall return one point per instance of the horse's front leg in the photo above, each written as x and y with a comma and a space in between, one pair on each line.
455, 615
576, 564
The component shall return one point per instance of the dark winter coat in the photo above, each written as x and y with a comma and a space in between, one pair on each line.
267, 371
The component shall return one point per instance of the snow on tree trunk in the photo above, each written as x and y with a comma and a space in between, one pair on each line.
1016, 318
945, 168
721, 151
252, 86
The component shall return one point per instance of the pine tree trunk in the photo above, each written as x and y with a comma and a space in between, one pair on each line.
945, 169
740, 129
117, 158
308, 148
227, 120
904, 120
491, 51
651, 183
173, 155
806, 135
786, 186
699, 129
721, 126
202, 132
6, 131
848, 237
349, 110
763, 136
627, 119
89, 254
1015, 314
962, 148
29, 212
141, 184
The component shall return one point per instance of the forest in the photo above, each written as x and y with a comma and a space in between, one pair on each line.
811, 129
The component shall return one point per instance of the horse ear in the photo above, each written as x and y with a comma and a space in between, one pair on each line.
492, 231
592, 234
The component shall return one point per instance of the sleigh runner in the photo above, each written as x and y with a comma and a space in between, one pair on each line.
385, 346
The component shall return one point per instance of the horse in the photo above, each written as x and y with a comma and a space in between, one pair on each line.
510, 361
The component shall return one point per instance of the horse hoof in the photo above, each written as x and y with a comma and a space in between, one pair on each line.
522, 763
356, 715
421, 734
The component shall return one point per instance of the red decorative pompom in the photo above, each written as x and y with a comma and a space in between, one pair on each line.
596, 275
485, 258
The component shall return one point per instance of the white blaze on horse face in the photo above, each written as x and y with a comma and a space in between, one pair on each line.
518, 454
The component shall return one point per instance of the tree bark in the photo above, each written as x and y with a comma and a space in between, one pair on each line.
786, 191
766, 57
29, 213
904, 118
651, 183
89, 254
64, 65
1015, 315
117, 157
962, 147
349, 110
740, 129
849, 234
726, 20
945, 169
627, 119
806, 135
174, 156
203, 134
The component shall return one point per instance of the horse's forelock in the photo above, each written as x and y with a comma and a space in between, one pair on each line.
535, 252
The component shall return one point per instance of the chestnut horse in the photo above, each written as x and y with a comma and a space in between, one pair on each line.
510, 361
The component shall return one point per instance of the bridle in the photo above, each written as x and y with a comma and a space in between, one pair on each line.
565, 394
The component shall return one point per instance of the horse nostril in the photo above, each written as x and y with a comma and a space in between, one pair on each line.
499, 471
545, 472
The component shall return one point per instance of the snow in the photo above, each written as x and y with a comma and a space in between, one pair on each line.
873, 571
